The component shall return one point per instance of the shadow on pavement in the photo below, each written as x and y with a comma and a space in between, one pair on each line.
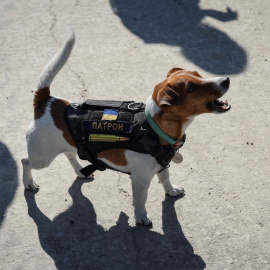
8, 179
180, 23
74, 240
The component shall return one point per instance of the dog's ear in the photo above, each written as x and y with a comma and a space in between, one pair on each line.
173, 70
169, 97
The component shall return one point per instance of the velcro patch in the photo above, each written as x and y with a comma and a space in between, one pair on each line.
98, 126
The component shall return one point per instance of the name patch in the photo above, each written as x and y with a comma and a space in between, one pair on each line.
107, 126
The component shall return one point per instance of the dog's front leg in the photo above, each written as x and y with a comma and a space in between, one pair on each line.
72, 158
164, 179
140, 189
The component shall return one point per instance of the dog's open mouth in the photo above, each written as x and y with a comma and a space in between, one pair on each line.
218, 106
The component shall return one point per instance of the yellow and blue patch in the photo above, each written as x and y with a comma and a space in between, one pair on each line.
110, 115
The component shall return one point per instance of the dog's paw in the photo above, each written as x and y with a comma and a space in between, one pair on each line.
175, 191
31, 185
143, 219
81, 176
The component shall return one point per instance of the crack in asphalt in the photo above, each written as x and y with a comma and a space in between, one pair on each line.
127, 197
83, 94
83, 84
54, 21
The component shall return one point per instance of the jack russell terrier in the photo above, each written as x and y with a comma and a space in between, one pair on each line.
171, 109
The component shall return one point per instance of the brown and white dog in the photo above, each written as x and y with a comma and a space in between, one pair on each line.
173, 105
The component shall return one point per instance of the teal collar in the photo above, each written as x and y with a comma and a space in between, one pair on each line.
174, 143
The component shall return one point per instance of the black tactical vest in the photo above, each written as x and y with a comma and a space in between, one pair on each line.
98, 125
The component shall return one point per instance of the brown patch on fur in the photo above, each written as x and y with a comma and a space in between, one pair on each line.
170, 126
41, 98
57, 111
116, 156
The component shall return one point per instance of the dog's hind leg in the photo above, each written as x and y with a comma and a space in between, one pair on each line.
164, 179
27, 175
39, 157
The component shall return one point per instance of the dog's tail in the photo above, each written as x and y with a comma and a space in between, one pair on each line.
55, 65
42, 94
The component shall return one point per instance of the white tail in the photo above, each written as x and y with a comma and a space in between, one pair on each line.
55, 65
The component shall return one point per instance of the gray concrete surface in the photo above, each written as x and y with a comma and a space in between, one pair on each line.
123, 49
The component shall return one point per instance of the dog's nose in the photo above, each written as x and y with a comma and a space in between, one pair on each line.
225, 82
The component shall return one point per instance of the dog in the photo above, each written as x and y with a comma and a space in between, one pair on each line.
173, 105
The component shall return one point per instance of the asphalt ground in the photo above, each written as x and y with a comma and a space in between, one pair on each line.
123, 49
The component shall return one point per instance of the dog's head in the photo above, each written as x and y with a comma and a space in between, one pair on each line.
187, 94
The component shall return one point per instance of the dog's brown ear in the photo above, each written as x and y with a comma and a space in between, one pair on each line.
173, 70
169, 97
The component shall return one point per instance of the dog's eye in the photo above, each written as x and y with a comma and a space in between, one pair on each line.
191, 88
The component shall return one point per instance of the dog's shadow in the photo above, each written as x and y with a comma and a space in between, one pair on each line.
181, 23
74, 240
8, 179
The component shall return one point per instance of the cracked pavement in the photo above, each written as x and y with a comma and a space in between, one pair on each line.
122, 50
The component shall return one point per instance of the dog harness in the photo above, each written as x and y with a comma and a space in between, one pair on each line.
99, 125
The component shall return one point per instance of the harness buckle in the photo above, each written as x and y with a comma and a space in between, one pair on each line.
134, 106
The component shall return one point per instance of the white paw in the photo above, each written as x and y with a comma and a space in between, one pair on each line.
80, 175
31, 185
175, 191
143, 219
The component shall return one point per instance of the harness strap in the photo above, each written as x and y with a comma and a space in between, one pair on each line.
89, 169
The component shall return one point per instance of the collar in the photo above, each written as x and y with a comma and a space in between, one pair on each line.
174, 143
